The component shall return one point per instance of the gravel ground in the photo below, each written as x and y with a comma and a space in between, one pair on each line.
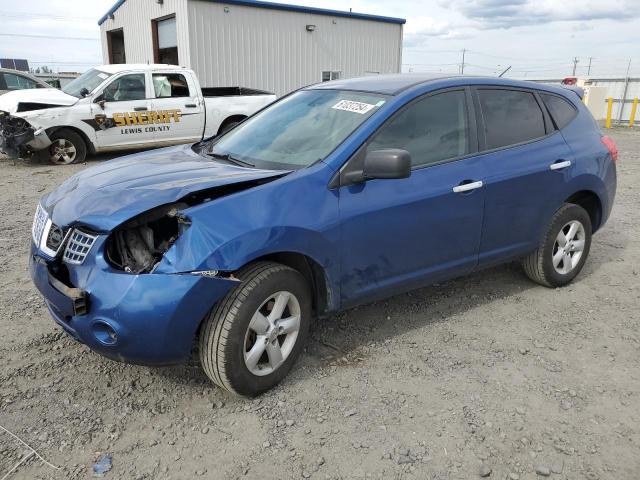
488, 375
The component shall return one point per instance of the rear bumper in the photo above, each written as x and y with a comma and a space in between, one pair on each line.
144, 319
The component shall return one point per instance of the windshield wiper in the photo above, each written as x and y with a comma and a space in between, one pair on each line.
231, 159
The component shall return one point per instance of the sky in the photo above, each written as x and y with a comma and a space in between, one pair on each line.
536, 38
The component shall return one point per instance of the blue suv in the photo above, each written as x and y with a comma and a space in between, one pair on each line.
337, 194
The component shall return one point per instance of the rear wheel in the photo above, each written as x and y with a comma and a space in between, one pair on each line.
66, 147
227, 125
252, 337
563, 250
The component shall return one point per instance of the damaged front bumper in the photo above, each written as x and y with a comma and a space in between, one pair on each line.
18, 138
147, 319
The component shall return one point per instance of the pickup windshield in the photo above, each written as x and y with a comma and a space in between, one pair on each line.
298, 130
90, 80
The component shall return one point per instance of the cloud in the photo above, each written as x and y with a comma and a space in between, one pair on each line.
419, 30
492, 14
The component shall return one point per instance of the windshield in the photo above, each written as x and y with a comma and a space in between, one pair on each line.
299, 130
89, 80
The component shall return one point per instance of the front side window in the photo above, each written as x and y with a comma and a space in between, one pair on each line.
299, 130
170, 85
86, 83
510, 117
433, 129
18, 82
126, 88
561, 110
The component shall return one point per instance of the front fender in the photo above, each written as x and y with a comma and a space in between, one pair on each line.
296, 214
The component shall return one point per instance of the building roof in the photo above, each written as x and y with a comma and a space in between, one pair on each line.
282, 6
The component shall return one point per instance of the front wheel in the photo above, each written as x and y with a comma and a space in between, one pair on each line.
563, 249
252, 337
66, 147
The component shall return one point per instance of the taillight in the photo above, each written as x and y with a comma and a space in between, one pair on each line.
611, 146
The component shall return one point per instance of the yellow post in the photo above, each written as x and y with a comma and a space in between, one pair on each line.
634, 106
609, 109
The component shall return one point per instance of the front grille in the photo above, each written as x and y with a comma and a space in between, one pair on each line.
39, 222
55, 238
78, 247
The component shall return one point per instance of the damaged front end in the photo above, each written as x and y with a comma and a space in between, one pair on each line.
18, 138
138, 245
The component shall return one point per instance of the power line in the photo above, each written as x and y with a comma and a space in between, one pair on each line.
49, 37
42, 16
45, 62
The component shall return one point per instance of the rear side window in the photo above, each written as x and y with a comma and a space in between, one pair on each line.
170, 85
510, 117
561, 110
18, 82
432, 130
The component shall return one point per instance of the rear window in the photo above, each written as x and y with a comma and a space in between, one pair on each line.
510, 117
561, 110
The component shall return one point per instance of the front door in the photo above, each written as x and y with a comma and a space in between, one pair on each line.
124, 120
404, 233
177, 97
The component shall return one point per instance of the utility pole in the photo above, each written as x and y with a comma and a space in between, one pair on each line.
462, 64
575, 64
589, 67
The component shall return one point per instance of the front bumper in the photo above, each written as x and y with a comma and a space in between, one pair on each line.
18, 137
148, 319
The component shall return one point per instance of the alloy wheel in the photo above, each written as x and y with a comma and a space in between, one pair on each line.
272, 333
62, 152
568, 247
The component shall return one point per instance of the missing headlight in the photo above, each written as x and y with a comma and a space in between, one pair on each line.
138, 245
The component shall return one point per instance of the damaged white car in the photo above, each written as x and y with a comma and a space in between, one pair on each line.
121, 107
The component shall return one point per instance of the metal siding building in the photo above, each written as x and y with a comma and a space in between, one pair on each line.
260, 45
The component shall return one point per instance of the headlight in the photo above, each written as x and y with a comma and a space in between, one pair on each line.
39, 222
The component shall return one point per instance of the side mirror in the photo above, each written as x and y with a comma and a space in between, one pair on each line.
100, 100
386, 164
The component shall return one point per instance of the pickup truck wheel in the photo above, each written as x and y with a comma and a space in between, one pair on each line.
66, 147
227, 125
563, 249
252, 337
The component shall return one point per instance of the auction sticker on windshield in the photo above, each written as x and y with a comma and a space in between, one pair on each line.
355, 107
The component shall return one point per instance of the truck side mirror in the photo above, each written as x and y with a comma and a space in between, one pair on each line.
100, 100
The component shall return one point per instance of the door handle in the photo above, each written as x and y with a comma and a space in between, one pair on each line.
466, 187
191, 105
560, 164
140, 109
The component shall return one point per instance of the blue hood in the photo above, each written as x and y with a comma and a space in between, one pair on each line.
107, 195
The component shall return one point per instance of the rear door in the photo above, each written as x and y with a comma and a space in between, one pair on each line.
527, 164
177, 99
403, 233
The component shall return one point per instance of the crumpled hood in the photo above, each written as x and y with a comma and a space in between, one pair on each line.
107, 195
49, 96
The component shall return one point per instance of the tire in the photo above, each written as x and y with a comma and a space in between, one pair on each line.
228, 343
66, 147
542, 265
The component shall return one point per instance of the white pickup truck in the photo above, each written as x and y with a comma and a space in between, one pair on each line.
121, 107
